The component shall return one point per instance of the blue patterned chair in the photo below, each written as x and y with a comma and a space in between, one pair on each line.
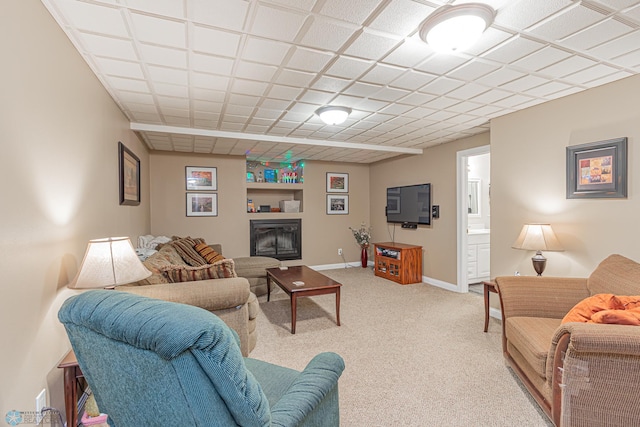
158, 363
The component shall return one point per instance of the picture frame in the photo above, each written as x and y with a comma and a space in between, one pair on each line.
201, 178
202, 204
337, 182
337, 204
597, 170
129, 176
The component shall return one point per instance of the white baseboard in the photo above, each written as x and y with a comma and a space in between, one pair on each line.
440, 284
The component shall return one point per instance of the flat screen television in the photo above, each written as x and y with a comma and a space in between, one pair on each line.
410, 204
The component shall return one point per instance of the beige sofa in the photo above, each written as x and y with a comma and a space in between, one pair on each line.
230, 298
581, 374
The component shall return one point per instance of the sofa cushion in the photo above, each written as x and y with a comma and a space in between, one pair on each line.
184, 273
186, 248
616, 275
532, 337
585, 309
254, 266
208, 253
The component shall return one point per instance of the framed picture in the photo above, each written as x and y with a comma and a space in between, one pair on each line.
129, 167
597, 170
337, 182
337, 205
203, 179
202, 204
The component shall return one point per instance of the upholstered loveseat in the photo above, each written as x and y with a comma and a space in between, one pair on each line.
580, 373
223, 287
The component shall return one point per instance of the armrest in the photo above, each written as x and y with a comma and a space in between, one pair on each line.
601, 338
308, 390
538, 296
212, 295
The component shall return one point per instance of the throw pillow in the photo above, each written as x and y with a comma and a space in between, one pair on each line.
182, 273
208, 253
185, 247
583, 311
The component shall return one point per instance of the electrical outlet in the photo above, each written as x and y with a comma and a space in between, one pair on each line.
339, 251
41, 402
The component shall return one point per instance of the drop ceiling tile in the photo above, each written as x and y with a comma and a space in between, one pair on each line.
524, 84
389, 94
327, 34
349, 68
412, 80
289, 22
211, 64
158, 31
501, 77
442, 102
512, 16
599, 33
248, 87
618, 47
568, 66
173, 103
317, 97
370, 45
596, 72
94, 18
362, 90
491, 38
513, 49
118, 68
209, 81
215, 42
254, 71
288, 93
146, 117
547, 89
295, 78
159, 55
473, 70
630, 60
238, 110
491, 96
382, 74
310, 60
207, 94
159, 7
442, 85
208, 12
417, 98
466, 106
401, 17
171, 90
109, 47
276, 105
120, 83
265, 51
128, 98
408, 54
567, 22
168, 75
542, 58
441, 64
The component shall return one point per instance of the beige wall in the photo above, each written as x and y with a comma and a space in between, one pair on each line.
528, 180
59, 184
322, 234
436, 165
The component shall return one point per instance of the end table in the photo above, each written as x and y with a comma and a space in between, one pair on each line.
489, 286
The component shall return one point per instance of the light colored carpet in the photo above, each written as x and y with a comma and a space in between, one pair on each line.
415, 355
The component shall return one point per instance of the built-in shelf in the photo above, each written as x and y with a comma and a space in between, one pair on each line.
266, 193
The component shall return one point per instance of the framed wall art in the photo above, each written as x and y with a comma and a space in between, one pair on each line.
337, 204
202, 204
129, 173
201, 178
597, 170
337, 182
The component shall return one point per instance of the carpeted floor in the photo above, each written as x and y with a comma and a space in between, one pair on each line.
415, 355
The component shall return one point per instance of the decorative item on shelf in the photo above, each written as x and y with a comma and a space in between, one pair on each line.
363, 238
538, 237
109, 262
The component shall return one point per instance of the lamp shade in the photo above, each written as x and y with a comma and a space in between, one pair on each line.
109, 262
537, 237
454, 28
333, 115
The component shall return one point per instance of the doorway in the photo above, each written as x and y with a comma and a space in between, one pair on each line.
473, 216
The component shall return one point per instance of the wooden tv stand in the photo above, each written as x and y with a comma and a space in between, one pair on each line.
398, 262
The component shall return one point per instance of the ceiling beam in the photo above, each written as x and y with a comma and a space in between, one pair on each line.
142, 127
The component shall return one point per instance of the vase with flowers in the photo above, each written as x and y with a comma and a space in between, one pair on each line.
363, 238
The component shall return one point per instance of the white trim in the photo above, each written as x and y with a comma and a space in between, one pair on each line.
461, 214
440, 284
142, 127
495, 313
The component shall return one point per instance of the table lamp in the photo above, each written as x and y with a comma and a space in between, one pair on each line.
108, 263
537, 237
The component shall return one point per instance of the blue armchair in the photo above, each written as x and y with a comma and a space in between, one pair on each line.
158, 363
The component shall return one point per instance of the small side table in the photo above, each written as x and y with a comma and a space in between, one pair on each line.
489, 286
71, 373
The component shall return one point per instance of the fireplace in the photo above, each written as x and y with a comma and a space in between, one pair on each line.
276, 238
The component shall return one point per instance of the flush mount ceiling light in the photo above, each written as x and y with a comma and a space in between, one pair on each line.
333, 115
454, 28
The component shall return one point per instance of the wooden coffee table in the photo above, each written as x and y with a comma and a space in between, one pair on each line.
314, 283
